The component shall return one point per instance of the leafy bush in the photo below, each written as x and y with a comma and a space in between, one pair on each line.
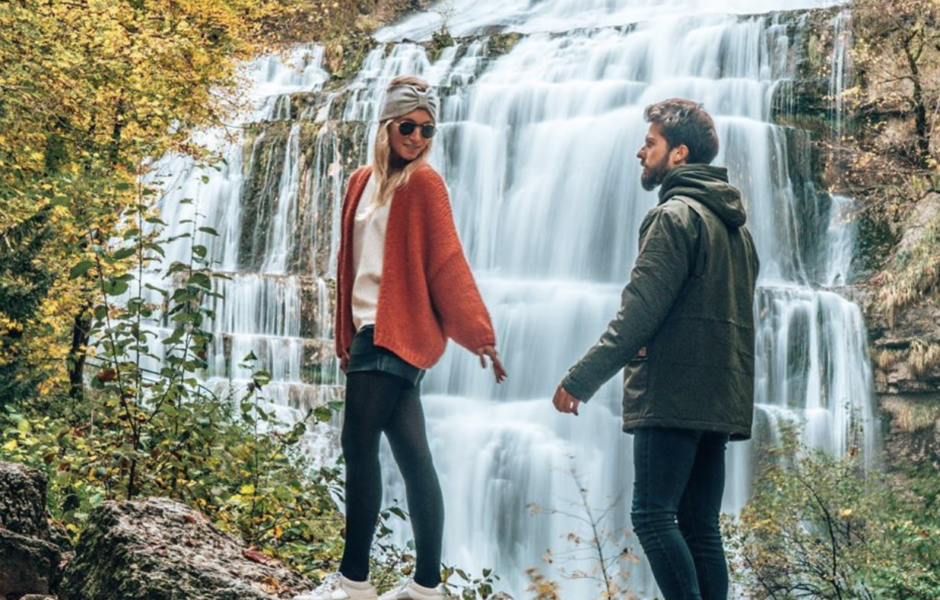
825, 528
136, 434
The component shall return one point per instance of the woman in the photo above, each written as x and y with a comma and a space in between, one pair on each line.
403, 288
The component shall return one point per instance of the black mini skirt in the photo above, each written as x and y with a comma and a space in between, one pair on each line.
364, 355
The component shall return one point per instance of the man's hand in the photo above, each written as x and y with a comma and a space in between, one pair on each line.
343, 363
565, 402
498, 369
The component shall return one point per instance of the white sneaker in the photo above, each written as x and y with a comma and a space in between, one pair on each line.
337, 587
409, 590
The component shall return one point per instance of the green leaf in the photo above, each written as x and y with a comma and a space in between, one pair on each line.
201, 280
209, 230
160, 291
115, 287
322, 414
80, 269
182, 295
261, 378
125, 253
173, 338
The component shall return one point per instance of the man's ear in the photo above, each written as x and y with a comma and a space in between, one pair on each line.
679, 154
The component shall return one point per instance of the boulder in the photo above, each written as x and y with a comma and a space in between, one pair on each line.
159, 549
23, 500
29, 563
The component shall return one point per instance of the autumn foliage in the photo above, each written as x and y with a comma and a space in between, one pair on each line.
92, 92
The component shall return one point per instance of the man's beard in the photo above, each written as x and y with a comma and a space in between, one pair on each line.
653, 175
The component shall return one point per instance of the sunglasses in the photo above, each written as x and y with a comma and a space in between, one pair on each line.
406, 128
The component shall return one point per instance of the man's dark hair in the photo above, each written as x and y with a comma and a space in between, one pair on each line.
686, 122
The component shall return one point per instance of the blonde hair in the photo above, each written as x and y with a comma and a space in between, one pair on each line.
387, 179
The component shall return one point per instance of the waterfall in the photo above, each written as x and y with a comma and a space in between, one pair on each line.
537, 144
276, 215
840, 69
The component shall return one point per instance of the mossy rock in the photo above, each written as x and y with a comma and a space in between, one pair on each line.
501, 43
158, 549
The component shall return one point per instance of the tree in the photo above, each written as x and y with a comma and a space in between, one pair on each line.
90, 94
24, 284
897, 52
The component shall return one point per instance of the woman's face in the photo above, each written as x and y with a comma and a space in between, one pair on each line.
408, 147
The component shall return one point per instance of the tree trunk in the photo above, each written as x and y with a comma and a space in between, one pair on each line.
921, 130
81, 328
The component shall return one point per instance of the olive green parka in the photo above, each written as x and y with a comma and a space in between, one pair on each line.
684, 334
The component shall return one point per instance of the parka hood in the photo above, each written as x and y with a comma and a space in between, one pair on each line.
709, 185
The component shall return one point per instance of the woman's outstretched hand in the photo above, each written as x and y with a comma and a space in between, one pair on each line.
498, 369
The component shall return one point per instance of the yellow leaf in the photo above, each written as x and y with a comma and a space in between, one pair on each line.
10, 446
247, 490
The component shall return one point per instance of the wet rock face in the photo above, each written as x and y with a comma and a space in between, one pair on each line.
905, 341
905, 348
159, 549
907, 381
29, 562
912, 430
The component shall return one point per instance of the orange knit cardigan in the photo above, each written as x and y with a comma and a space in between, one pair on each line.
427, 293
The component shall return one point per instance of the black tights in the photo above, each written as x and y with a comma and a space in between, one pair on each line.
378, 402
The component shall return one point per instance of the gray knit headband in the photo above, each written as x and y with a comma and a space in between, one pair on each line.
402, 99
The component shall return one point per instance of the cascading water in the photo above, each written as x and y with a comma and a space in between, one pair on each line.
537, 146
272, 208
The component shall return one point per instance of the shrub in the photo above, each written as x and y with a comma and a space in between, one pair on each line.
825, 528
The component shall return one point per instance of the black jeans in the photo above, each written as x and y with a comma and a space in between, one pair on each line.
377, 403
680, 479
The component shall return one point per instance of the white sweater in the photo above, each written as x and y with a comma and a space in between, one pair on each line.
368, 253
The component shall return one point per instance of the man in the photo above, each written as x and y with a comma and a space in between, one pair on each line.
685, 337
